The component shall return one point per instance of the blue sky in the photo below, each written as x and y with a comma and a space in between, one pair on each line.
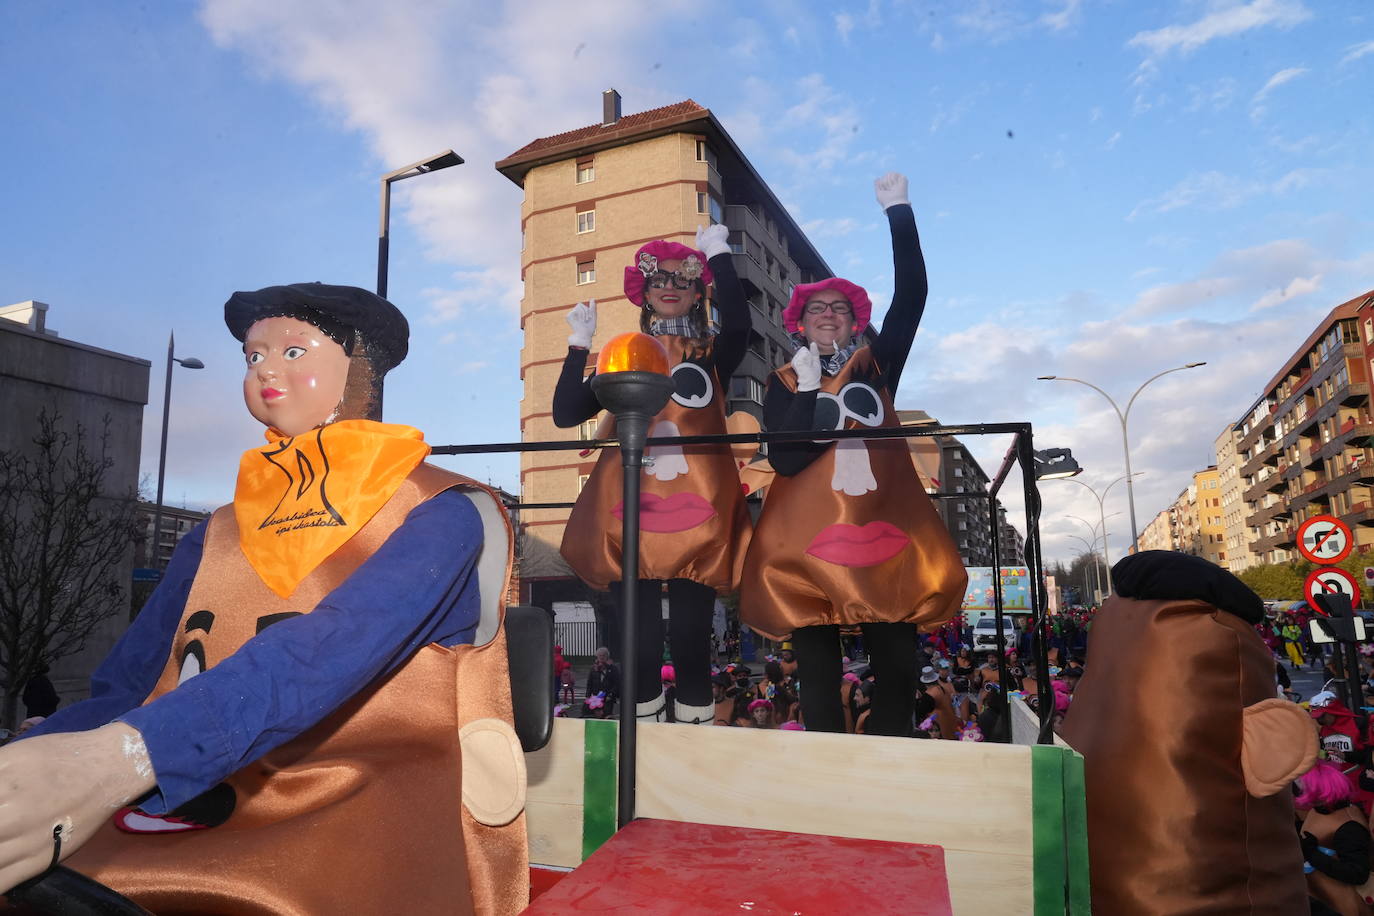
1104, 189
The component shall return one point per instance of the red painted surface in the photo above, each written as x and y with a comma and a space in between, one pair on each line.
541, 879
668, 868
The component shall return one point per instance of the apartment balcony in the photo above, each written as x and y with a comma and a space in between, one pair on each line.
1355, 394
1268, 454
1361, 513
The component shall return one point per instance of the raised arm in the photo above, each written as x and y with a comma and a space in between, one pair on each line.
785, 409
730, 345
573, 400
910, 285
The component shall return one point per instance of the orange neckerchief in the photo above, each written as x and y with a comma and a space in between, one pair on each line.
299, 499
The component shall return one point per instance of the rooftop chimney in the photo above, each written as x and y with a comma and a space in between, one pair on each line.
610, 108
31, 313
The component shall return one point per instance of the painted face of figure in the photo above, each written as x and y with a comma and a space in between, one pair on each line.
828, 320
762, 717
296, 375
662, 292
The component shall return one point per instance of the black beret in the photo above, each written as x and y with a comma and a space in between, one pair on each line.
384, 329
1168, 575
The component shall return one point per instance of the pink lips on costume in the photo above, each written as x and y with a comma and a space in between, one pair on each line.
271, 394
679, 512
852, 545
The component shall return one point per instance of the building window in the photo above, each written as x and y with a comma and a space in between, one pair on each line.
586, 272
586, 171
717, 211
587, 430
586, 221
745, 388
702, 198
707, 155
582, 481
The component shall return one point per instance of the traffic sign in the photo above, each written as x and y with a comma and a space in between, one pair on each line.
1331, 579
1324, 539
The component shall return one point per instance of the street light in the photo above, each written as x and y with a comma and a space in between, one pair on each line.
1056, 464
1092, 551
433, 164
1123, 417
189, 362
1101, 503
1102, 533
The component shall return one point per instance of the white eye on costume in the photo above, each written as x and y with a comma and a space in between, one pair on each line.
692, 385
192, 661
853, 475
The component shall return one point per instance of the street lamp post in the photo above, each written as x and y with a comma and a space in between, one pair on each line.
1092, 551
189, 362
1101, 511
1123, 416
432, 164
1100, 533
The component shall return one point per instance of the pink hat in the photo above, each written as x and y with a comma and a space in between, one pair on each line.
792, 727
666, 673
646, 263
760, 704
857, 296
851, 676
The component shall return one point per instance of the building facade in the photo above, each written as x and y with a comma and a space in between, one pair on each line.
82, 386
969, 520
1206, 521
1305, 445
1237, 534
177, 522
592, 196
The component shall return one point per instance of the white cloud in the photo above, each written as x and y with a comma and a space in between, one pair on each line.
829, 228
1215, 191
844, 24
1257, 108
389, 73
1112, 141
1226, 22
1298, 286
1214, 96
1063, 18
1355, 52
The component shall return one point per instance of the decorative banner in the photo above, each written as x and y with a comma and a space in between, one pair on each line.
1324, 539
1330, 581
978, 599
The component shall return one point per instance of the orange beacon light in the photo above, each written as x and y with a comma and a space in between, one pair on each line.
632, 352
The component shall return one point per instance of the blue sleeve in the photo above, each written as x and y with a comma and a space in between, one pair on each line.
420, 587
129, 673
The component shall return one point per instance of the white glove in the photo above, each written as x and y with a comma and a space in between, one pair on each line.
891, 190
807, 364
713, 240
582, 319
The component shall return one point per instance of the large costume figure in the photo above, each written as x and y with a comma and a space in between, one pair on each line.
305, 679
694, 526
1188, 803
847, 534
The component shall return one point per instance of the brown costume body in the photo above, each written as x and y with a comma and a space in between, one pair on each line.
361, 812
785, 587
710, 551
1343, 898
1188, 806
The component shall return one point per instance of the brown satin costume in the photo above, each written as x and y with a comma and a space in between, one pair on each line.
785, 587
364, 813
708, 500
1343, 898
1176, 821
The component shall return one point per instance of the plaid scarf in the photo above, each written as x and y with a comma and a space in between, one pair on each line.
832, 364
681, 326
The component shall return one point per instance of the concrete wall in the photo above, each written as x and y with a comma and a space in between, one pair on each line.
83, 385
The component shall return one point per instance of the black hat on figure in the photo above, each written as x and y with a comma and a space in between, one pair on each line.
343, 313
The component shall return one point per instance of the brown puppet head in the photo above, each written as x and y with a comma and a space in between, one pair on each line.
1187, 751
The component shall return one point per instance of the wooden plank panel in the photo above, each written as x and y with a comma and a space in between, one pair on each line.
555, 770
553, 808
973, 799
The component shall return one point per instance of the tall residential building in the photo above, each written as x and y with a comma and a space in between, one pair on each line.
592, 197
1158, 534
1206, 518
1238, 535
1011, 546
177, 522
969, 520
1305, 444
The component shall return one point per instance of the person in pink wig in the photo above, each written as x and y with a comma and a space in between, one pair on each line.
694, 526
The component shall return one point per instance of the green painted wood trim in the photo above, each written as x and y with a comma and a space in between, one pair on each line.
1047, 822
598, 783
1076, 835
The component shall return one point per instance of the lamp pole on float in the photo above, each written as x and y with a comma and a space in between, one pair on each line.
632, 382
